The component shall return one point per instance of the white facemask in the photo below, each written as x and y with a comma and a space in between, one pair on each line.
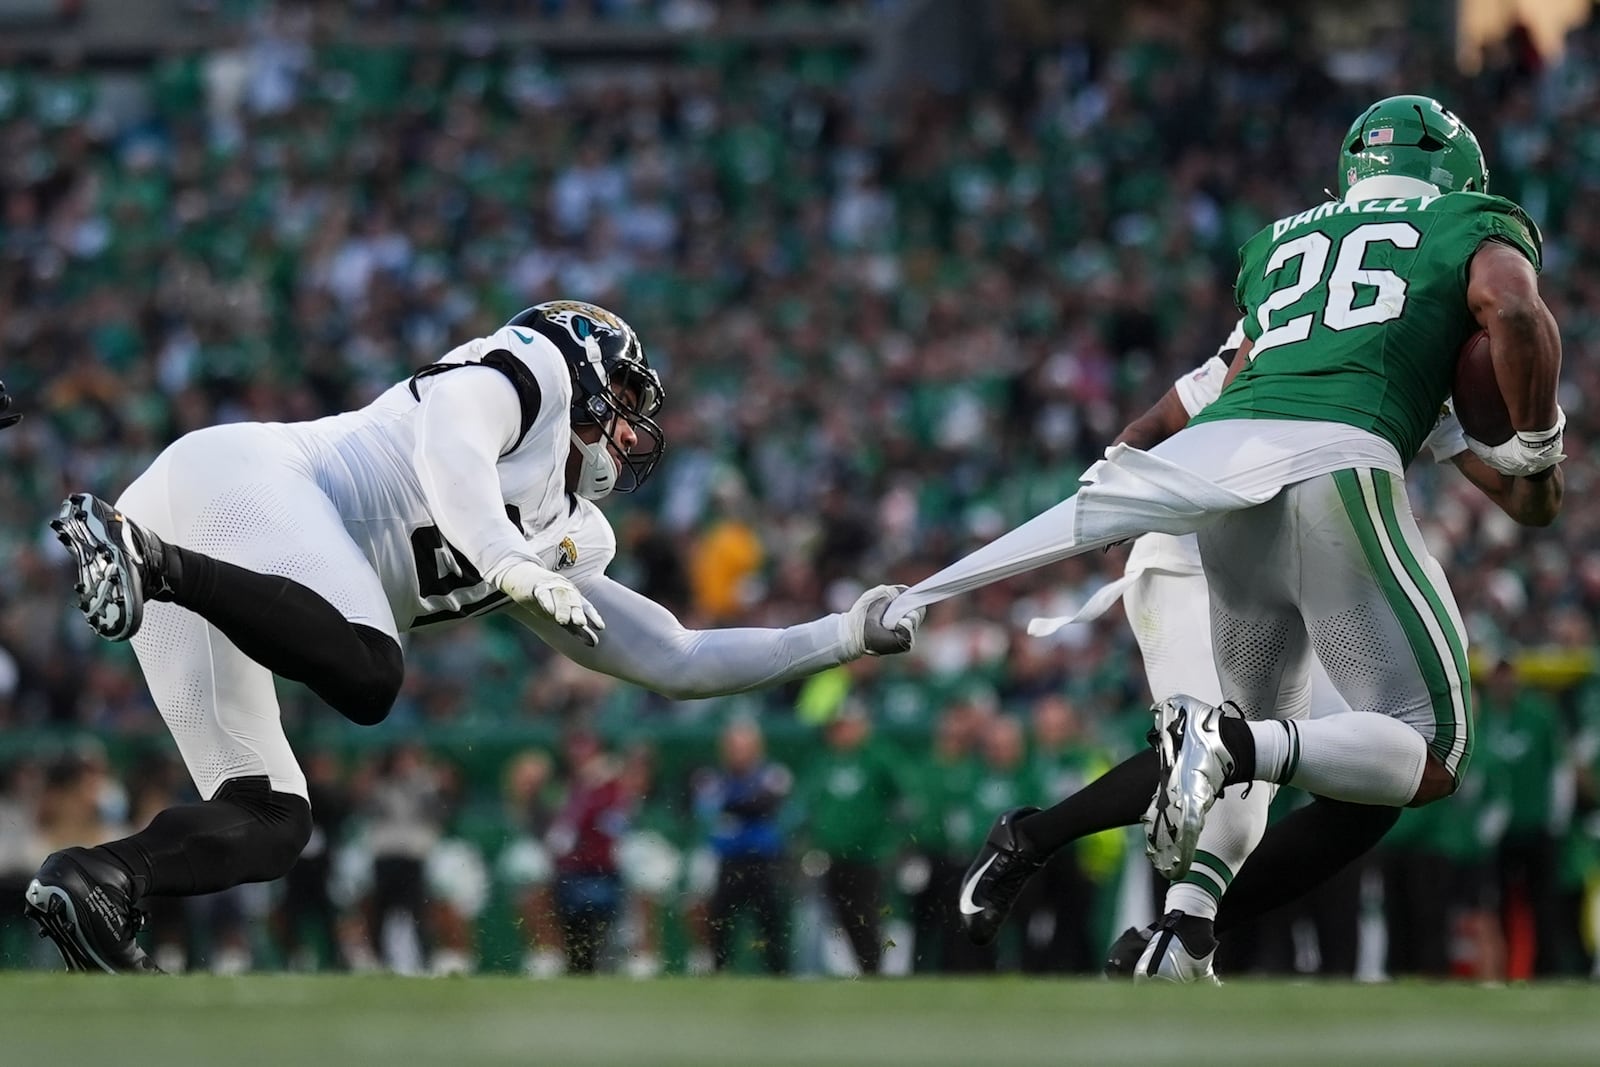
597, 474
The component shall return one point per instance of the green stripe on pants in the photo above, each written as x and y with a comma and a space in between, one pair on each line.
1461, 721
1429, 659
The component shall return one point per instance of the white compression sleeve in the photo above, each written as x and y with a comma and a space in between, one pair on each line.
645, 644
1232, 831
1359, 756
467, 419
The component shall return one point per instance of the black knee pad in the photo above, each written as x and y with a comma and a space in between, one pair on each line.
365, 691
283, 825
376, 687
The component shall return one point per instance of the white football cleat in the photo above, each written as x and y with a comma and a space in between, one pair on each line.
1194, 765
1180, 950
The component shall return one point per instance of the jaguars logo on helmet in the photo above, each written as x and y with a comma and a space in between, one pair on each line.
611, 378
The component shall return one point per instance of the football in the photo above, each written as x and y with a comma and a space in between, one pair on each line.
1478, 403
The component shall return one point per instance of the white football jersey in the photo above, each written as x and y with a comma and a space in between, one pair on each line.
363, 461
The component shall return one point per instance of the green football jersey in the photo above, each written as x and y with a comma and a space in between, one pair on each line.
1356, 310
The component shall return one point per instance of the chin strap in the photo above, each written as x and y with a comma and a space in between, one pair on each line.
597, 475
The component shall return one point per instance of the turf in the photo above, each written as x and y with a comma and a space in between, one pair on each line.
283, 1020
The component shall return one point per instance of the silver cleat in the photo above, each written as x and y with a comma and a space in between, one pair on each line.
1180, 950
1194, 764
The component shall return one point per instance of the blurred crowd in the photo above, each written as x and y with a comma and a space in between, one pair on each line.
889, 328
841, 856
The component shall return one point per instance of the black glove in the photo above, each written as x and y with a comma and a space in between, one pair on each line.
5, 404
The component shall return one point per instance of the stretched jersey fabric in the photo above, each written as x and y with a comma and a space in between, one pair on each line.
1179, 555
1357, 309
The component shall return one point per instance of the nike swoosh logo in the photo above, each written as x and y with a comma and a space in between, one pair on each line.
525, 338
967, 906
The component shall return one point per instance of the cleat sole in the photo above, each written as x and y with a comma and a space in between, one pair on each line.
57, 919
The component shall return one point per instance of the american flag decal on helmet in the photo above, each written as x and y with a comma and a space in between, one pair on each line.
1383, 136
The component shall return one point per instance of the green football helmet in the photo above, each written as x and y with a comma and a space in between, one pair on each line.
1417, 137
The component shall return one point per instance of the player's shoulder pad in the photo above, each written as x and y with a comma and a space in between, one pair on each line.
542, 361
1504, 220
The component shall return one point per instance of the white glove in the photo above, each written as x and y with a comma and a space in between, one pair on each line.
866, 631
1526, 452
552, 596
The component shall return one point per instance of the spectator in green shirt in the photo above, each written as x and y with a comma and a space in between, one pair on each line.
1004, 781
1523, 741
937, 788
1061, 903
849, 796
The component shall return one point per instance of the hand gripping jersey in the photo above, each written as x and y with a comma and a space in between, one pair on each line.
364, 461
1357, 309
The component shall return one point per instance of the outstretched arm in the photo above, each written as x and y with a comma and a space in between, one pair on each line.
645, 644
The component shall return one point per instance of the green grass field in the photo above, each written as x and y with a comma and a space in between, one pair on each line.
67, 1020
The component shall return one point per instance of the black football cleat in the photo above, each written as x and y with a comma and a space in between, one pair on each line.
1123, 955
85, 905
997, 875
119, 565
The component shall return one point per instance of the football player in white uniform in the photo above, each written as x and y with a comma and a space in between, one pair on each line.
1166, 600
303, 550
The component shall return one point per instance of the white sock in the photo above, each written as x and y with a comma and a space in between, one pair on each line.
1193, 897
1232, 831
1359, 756
1272, 747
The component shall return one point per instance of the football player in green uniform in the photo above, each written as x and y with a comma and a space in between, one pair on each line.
1355, 311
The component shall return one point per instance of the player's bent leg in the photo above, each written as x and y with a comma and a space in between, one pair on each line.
1232, 830
1170, 614
86, 899
1299, 853
1021, 840
1262, 658
1359, 756
1437, 783
265, 558
248, 832
1386, 626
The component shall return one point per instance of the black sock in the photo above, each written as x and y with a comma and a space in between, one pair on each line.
1299, 853
1116, 798
292, 631
1241, 746
247, 833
